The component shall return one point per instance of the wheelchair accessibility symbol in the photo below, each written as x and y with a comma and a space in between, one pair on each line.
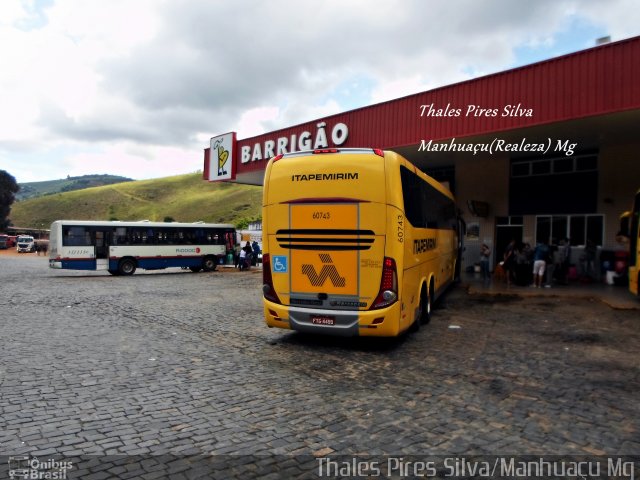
280, 264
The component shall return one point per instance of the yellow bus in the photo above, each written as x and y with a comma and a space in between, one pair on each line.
630, 227
355, 242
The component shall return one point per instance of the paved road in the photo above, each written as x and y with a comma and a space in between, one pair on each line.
176, 363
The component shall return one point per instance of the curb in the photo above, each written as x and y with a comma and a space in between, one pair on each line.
614, 303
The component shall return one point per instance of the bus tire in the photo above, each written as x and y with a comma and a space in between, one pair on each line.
426, 317
419, 318
415, 326
127, 266
209, 263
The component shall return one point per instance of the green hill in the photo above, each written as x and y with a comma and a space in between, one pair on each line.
37, 189
184, 198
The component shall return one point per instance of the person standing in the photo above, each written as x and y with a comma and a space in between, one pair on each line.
255, 247
589, 264
485, 254
236, 255
245, 256
540, 256
522, 268
509, 261
242, 259
553, 261
566, 260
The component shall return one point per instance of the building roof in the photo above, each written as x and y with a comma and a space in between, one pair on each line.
588, 83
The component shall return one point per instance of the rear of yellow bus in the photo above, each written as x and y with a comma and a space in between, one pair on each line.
332, 244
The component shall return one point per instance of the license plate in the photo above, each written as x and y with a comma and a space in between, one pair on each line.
323, 320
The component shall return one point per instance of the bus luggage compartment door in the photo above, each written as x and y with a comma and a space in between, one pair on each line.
324, 255
325, 245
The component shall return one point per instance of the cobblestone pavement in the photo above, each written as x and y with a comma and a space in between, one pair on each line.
177, 363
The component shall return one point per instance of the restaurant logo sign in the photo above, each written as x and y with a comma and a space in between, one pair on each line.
221, 157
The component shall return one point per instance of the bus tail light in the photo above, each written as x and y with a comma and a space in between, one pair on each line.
268, 290
325, 150
388, 293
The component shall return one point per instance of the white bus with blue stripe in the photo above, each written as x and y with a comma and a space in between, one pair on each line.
122, 247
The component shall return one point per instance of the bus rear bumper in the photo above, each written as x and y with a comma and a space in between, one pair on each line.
343, 323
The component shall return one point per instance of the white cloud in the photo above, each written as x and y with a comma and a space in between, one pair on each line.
139, 87
133, 161
12, 12
254, 120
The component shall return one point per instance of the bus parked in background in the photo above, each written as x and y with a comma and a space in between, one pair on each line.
6, 241
122, 247
630, 228
355, 242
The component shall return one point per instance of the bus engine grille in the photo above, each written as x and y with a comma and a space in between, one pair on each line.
324, 239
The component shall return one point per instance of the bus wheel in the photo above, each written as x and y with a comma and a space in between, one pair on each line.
209, 264
127, 266
415, 326
428, 306
195, 269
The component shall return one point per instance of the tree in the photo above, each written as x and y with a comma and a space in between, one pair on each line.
8, 189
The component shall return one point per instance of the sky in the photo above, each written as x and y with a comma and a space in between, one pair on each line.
138, 87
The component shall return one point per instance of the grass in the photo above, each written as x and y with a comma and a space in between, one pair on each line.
184, 198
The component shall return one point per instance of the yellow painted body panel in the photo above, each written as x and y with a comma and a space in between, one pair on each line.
329, 221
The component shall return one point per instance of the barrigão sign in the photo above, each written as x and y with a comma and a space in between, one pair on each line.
296, 142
